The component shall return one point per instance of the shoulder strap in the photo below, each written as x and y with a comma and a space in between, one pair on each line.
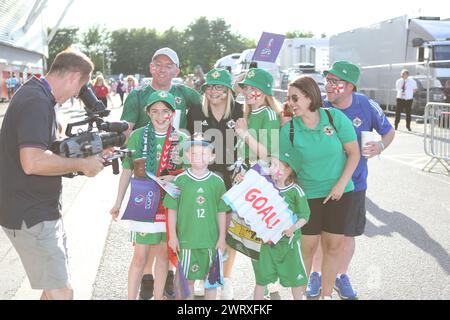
291, 131
330, 118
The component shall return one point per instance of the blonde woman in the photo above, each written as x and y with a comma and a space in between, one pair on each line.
101, 90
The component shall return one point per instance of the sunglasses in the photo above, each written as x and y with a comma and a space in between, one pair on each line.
333, 82
294, 98
217, 87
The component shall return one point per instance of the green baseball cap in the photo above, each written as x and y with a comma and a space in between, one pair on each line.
259, 79
345, 70
217, 76
163, 96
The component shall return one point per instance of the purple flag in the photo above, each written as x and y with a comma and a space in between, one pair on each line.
181, 284
215, 274
144, 200
268, 47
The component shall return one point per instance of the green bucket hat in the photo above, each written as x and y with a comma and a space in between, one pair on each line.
287, 153
345, 70
217, 76
163, 96
259, 79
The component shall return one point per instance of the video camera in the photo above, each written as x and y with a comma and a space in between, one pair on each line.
87, 143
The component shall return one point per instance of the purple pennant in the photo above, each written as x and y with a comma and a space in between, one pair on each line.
269, 46
144, 200
181, 284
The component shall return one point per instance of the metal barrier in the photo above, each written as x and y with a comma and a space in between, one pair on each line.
437, 135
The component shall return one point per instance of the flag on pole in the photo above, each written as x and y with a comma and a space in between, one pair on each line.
268, 48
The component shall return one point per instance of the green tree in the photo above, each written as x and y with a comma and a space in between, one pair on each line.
132, 50
64, 38
299, 34
95, 43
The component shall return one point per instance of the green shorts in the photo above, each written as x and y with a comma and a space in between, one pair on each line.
281, 261
196, 262
148, 238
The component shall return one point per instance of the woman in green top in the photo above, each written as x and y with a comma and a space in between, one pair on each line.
149, 144
261, 119
328, 153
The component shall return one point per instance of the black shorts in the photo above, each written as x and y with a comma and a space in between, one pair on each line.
356, 218
330, 217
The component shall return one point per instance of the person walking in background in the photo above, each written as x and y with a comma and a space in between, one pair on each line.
366, 115
11, 84
101, 90
447, 91
406, 87
120, 89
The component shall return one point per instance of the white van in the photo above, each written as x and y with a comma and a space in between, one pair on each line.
243, 64
228, 62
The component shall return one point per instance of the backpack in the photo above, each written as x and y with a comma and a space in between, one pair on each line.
292, 132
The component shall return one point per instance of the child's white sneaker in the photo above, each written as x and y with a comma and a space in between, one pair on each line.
199, 288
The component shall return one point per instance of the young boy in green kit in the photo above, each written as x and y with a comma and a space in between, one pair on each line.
196, 220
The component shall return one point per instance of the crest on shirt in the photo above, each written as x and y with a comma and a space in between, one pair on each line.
200, 200
178, 100
328, 130
195, 268
357, 122
231, 124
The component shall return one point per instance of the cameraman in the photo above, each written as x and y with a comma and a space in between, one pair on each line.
30, 174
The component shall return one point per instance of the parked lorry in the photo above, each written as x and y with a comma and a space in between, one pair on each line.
382, 50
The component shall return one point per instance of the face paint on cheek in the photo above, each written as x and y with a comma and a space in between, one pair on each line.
167, 117
339, 88
256, 94
278, 173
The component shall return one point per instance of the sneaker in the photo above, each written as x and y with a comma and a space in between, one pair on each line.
227, 292
146, 290
314, 285
199, 288
344, 288
168, 287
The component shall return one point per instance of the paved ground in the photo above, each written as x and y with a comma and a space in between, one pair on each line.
404, 253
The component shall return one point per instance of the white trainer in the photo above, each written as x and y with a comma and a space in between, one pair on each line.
199, 288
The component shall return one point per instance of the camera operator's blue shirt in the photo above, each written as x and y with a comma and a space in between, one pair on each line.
366, 115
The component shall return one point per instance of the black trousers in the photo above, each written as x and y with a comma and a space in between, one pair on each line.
403, 106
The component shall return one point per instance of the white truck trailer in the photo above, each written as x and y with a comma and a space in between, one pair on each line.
382, 50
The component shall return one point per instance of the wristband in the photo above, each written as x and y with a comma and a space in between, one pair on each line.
382, 145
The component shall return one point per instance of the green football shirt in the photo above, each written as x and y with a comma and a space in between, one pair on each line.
135, 144
298, 203
135, 103
263, 124
197, 208
322, 156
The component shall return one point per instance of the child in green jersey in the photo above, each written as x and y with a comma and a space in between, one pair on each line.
261, 121
149, 143
197, 219
284, 260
